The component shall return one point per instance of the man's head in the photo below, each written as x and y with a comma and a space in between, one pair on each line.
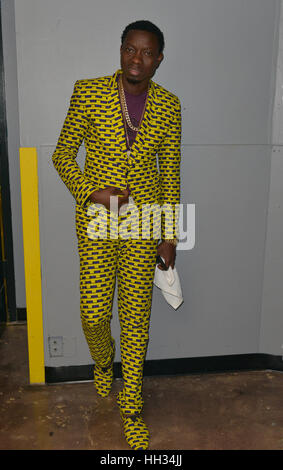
141, 51
145, 25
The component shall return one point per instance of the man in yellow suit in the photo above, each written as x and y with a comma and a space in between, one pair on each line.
126, 121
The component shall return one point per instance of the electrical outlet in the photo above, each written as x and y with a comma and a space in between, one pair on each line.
55, 344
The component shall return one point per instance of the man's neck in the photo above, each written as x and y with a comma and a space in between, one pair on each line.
134, 88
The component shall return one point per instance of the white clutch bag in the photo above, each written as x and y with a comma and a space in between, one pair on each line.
169, 283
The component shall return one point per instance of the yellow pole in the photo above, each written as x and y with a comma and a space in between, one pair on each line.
31, 239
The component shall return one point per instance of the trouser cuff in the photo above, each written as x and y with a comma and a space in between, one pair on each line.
131, 405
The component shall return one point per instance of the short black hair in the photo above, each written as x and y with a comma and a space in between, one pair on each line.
145, 25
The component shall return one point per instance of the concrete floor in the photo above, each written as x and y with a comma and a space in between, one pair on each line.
237, 411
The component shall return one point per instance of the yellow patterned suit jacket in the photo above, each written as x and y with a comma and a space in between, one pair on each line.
95, 116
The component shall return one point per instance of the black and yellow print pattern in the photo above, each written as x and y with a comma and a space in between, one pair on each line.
102, 349
135, 429
95, 117
133, 262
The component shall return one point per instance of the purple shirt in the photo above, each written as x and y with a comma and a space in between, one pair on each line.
135, 105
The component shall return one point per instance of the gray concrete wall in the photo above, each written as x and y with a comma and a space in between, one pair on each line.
220, 59
271, 333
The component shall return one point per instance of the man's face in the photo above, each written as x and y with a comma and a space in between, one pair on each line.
140, 56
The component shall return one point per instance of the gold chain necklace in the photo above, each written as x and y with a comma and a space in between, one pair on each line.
125, 107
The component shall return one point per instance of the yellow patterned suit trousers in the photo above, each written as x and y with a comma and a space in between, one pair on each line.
95, 117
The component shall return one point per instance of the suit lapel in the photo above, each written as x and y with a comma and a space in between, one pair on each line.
115, 113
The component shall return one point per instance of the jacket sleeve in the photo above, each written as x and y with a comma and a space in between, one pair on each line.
64, 157
169, 159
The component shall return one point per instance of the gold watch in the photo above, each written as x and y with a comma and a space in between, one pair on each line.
173, 241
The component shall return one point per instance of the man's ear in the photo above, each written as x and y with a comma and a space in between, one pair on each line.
160, 59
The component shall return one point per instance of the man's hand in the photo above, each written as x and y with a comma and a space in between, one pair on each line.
168, 253
102, 196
